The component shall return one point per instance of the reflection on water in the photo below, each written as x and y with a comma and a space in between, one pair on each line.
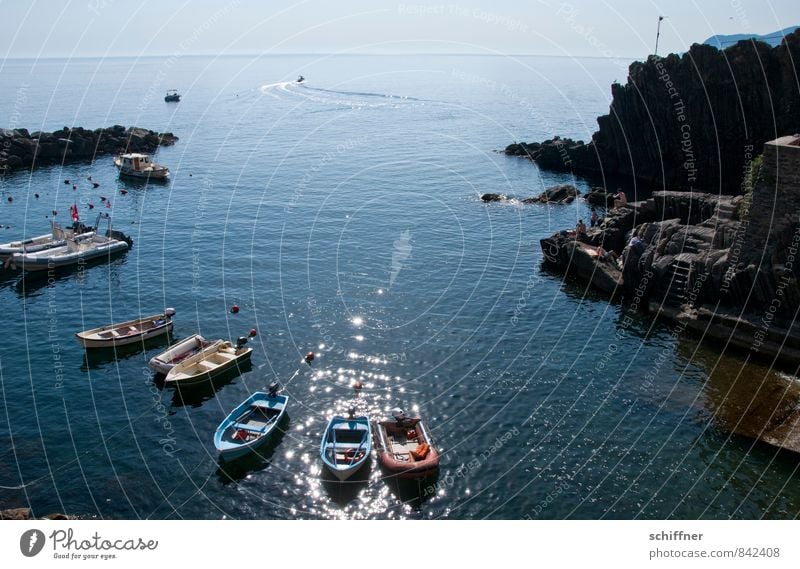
195, 394
231, 472
750, 398
98, 358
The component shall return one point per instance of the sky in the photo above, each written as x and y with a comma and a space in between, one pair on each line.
618, 29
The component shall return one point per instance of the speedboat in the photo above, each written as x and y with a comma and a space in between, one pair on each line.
211, 361
300, 79
346, 444
56, 238
172, 96
77, 250
140, 166
251, 423
405, 447
129, 332
176, 353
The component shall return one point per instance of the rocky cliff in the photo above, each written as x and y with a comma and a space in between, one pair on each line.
689, 122
21, 150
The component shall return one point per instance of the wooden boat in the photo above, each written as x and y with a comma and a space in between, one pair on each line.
250, 424
56, 238
128, 332
209, 362
140, 166
176, 353
346, 444
172, 96
405, 447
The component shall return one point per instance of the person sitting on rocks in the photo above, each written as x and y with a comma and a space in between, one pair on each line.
620, 199
580, 230
607, 256
594, 220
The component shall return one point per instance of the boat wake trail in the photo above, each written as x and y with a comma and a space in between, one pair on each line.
336, 98
362, 94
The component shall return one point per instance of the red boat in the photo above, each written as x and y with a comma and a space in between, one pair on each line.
405, 448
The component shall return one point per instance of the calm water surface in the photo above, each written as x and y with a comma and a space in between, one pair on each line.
343, 217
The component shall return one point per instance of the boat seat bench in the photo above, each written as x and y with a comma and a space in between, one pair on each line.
246, 427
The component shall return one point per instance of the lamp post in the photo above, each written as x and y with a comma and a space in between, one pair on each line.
658, 33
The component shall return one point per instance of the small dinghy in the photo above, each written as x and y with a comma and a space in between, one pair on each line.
209, 362
251, 423
166, 360
172, 96
128, 332
405, 448
346, 445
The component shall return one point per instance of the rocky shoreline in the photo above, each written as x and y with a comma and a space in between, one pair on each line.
21, 150
690, 121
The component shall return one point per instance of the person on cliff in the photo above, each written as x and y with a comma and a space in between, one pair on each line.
580, 231
620, 199
593, 221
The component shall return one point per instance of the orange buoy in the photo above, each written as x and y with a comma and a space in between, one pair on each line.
309, 357
253, 332
234, 309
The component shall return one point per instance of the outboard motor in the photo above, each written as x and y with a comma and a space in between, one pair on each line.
169, 313
398, 415
352, 412
273, 388
241, 342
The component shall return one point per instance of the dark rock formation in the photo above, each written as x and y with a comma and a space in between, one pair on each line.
25, 514
563, 193
494, 197
562, 251
688, 121
20, 149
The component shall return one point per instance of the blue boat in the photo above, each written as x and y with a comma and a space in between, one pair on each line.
346, 445
250, 424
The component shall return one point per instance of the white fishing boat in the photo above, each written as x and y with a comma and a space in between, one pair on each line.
129, 332
219, 357
140, 166
176, 353
78, 249
56, 238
